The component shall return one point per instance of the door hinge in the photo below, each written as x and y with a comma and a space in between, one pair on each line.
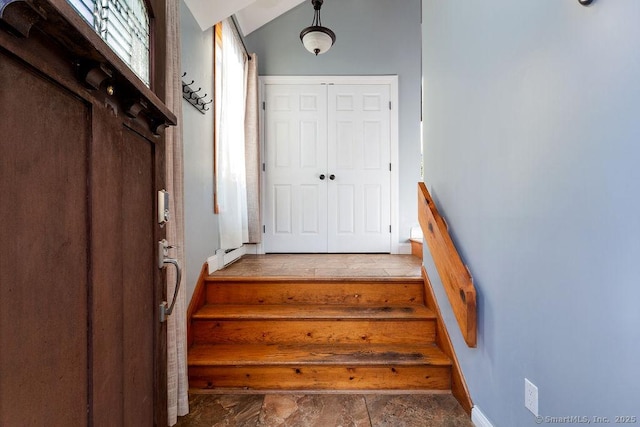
389, 105
389, 167
264, 229
264, 105
389, 229
263, 167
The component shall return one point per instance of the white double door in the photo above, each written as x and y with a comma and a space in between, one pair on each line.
327, 168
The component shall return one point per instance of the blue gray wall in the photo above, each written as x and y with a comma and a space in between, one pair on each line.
201, 225
374, 37
532, 143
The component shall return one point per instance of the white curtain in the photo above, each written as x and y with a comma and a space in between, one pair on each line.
177, 380
232, 186
252, 150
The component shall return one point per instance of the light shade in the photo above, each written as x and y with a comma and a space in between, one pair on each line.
317, 39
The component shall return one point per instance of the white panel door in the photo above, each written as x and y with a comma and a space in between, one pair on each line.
359, 153
295, 161
327, 161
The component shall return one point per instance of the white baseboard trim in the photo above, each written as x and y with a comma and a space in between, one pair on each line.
402, 249
479, 419
252, 248
233, 255
212, 263
223, 258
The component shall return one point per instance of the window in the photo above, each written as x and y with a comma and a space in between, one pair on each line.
124, 25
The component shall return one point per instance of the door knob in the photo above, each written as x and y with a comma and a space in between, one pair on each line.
322, 177
332, 177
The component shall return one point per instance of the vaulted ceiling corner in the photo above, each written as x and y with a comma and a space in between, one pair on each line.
251, 14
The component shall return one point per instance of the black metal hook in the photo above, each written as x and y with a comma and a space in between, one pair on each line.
192, 96
201, 99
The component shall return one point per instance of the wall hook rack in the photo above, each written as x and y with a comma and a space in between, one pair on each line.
192, 96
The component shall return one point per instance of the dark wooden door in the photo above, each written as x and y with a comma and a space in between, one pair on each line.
81, 161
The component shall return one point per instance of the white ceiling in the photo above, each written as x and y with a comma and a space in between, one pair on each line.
250, 14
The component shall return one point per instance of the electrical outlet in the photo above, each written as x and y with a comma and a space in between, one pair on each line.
531, 397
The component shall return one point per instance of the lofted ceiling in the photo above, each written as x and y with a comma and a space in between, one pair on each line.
250, 14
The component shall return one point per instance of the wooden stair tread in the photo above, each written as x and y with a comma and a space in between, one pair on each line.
316, 354
313, 280
310, 311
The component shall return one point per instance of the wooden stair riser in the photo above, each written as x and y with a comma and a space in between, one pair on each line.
305, 331
359, 293
310, 312
305, 377
317, 354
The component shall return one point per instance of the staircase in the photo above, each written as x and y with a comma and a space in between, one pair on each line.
315, 334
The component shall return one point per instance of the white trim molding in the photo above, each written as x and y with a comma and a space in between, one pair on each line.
479, 419
392, 81
222, 258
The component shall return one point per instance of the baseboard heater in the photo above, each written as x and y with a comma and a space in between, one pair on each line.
224, 257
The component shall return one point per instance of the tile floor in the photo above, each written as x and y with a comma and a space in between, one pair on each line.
325, 410
324, 265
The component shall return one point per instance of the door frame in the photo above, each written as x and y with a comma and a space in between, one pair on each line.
392, 81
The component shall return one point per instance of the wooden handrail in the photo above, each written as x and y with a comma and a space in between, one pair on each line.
454, 274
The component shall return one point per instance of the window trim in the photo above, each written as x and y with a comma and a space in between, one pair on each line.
217, 85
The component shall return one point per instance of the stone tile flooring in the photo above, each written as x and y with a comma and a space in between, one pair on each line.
324, 265
325, 410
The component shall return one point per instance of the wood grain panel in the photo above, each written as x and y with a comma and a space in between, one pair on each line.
299, 291
43, 318
318, 354
197, 301
455, 277
308, 311
313, 377
123, 274
106, 272
309, 331
138, 250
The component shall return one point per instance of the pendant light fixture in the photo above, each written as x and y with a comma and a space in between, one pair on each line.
316, 38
